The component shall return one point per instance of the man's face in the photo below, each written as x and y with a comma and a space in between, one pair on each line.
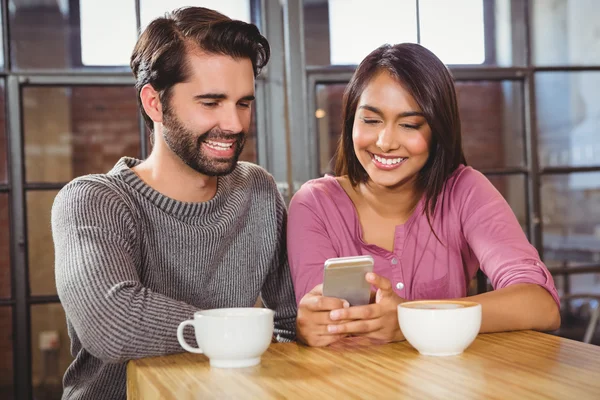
206, 119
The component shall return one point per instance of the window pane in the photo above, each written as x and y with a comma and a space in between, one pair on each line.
101, 46
512, 188
317, 47
3, 141
234, 9
329, 122
5, 277
6, 354
492, 123
565, 32
40, 246
505, 33
50, 350
568, 118
49, 34
116, 49
72, 131
440, 35
491, 118
344, 31
380, 18
250, 152
578, 283
571, 217
331, 35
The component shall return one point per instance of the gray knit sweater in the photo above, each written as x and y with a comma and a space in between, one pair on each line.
131, 264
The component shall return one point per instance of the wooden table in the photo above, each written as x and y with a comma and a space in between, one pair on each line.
515, 365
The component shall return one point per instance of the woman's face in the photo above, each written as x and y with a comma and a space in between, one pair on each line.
390, 134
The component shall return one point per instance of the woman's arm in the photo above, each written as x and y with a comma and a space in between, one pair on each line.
516, 307
525, 296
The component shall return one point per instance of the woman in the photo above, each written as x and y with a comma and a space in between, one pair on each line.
404, 195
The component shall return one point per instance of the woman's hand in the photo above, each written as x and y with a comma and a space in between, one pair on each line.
377, 321
313, 318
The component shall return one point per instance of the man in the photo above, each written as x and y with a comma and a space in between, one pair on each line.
141, 248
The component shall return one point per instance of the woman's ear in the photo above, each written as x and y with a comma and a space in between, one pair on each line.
151, 102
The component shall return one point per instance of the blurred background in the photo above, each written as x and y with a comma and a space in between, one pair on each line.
528, 80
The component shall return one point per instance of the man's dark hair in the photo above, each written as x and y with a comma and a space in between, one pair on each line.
160, 54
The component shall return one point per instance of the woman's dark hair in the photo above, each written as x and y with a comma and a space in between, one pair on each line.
429, 82
160, 54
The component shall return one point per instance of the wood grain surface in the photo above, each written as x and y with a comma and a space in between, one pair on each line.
514, 365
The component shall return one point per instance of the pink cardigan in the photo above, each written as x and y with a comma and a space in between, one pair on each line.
476, 225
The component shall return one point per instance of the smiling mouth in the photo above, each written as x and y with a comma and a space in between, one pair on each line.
387, 161
219, 145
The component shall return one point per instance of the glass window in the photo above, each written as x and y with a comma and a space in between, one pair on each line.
512, 188
251, 147
343, 32
6, 354
317, 42
49, 34
5, 277
568, 118
234, 9
357, 28
73, 131
585, 283
40, 246
452, 43
102, 47
329, 123
3, 141
106, 47
49, 349
565, 32
571, 217
492, 123
491, 117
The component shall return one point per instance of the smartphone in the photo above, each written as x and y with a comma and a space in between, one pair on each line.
344, 278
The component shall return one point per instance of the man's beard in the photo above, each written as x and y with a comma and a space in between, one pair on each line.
184, 143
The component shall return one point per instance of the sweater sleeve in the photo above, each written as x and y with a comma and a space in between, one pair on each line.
115, 317
278, 292
495, 236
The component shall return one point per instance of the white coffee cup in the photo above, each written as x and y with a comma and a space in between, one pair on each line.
440, 327
230, 337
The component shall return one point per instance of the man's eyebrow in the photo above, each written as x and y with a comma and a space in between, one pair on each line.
211, 96
220, 96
